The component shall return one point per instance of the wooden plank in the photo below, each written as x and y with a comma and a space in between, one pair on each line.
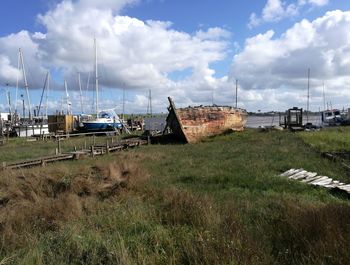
322, 181
305, 176
311, 179
290, 172
303, 172
345, 188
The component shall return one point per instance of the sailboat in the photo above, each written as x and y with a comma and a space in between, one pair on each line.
34, 125
330, 116
105, 119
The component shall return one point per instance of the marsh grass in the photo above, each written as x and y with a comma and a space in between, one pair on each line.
328, 140
217, 202
18, 149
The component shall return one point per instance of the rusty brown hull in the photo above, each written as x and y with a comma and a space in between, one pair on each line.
195, 123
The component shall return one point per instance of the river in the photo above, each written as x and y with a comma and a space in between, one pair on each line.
256, 121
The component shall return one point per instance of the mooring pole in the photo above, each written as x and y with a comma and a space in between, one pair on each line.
308, 94
59, 145
236, 91
107, 147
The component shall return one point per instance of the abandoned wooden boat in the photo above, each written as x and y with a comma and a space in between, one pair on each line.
195, 123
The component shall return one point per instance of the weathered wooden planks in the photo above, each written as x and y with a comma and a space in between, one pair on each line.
93, 151
313, 179
193, 124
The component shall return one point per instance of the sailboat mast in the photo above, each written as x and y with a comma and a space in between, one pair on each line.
96, 77
17, 81
123, 102
324, 99
25, 83
47, 92
236, 91
42, 93
308, 94
67, 96
81, 94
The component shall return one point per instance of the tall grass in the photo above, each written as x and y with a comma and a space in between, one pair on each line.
217, 202
328, 140
20, 148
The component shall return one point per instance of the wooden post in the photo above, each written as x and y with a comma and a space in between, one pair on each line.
3, 165
85, 146
59, 145
56, 151
107, 147
92, 151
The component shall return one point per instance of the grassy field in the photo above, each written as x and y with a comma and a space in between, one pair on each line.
18, 149
332, 139
217, 202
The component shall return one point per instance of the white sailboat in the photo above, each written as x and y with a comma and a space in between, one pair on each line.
105, 119
28, 127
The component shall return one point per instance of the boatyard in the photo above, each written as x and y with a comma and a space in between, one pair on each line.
143, 132
196, 183
223, 183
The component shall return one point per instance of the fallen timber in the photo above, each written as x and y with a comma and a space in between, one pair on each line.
313, 178
342, 157
93, 151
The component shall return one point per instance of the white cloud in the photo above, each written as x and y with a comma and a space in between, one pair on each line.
254, 21
7, 71
280, 63
115, 5
141, 55
132, 53
9, 46
318, 2
276, 10
273, 10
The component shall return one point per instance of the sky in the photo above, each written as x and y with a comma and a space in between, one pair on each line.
193, 51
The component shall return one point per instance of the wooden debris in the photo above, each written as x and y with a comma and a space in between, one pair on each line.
313, 179
93, 151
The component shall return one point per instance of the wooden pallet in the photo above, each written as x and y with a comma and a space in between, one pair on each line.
313, 178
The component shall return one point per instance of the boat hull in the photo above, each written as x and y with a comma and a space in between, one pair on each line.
101, 126
196, 123
31, 130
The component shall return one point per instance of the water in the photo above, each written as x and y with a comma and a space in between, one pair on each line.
256, 121
158, 123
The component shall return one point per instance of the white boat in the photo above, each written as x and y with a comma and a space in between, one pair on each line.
31, 130
105, 119
332, 117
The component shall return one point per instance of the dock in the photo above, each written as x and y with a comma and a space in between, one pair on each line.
94, 150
